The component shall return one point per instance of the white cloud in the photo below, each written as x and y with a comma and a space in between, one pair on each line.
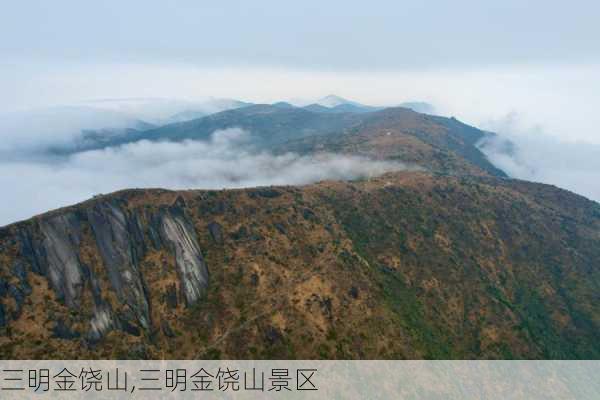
226, 161
536, 156
557, 130
60, 126
35, 130
562, 98
160, 110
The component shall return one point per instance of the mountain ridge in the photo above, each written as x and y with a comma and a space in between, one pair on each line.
430, 141
407, 265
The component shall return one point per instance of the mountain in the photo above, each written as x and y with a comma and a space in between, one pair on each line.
96, 124
186, 115
333, 100
435, 143
335, 104
318, 108
98, 137
455, 260
282, 104
342, 108
205, 108
407, 265
419, 106
353, 108
268, 123
342, 105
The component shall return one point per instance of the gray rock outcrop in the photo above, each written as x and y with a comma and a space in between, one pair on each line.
54, 246
191, 268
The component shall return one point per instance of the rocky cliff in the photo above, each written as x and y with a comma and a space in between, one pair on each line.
90, 259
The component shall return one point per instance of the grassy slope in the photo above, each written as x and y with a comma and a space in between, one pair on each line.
410, 265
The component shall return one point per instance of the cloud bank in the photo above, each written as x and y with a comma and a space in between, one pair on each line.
30, 131
226, 161
37, 130
529, 153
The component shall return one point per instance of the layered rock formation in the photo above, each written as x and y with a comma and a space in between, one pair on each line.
95, 253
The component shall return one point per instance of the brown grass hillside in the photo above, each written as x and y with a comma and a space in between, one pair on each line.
408, 265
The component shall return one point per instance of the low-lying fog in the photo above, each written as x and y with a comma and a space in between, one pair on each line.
33, 182
37, 185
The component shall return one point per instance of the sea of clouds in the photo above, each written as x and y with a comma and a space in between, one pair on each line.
34, 181
228, 160
530, 153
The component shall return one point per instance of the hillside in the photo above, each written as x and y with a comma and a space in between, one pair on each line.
434, 143
408, 265
268, 123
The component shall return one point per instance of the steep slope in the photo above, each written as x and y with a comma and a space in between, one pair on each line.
409, 265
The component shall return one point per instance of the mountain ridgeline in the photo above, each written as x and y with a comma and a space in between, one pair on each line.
436, 143
453, 260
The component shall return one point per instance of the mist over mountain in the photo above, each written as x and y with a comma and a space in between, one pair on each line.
58, 126
163, 111
37, 130
531, 153
52, 144
332, 100
228, 159
212, 152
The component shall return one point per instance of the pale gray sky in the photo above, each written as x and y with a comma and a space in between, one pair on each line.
308, 34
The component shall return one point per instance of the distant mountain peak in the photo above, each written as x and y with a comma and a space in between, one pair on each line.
282, 104
333, 100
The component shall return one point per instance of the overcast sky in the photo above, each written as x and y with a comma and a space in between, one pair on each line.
307, 34
476, 60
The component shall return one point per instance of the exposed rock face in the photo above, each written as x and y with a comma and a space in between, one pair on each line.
101, 323
119, 241
55, 245
61, 239
191, 268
